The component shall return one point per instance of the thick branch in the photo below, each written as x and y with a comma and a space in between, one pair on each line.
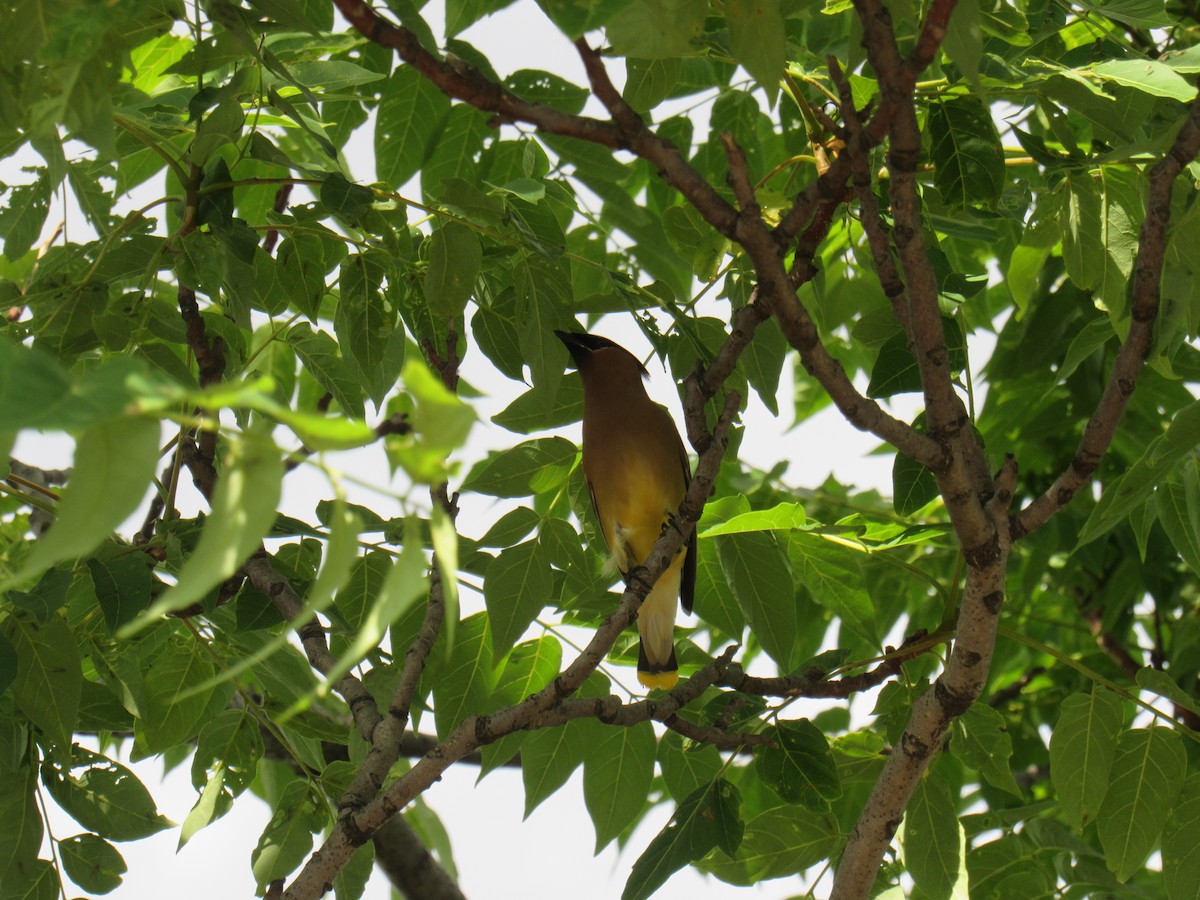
959, 685
962, 477
410, 866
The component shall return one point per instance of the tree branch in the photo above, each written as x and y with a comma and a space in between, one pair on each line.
1147, 281
959, 685
362, 705
477, 730
409, 864
816, 684
962, 476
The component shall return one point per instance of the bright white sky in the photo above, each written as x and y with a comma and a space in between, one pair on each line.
497, 855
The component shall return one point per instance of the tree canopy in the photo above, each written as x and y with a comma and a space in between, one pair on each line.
988, 207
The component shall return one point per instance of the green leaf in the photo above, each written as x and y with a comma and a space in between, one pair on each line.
781, 517
441, 418
411, 114
105, 797
686, 768
22, 825
896, 370
1159, 682
173, 708
981, 740
657, 29
405, 582
1082, 240
966, 151
708, 817
536, 411
341, 552
454, 258
301, 271
46, 597
617, 773
344, 199
1099, 241
23, 215
212, 803
1147, 770
516, 586
831, 572
221, 125
913, 486
800, 768
495, 330
49, 679
366, 578
460, 14
715, 601
331, 74
530, 667
114, 464
758, 41
550, 755
543, 295
763, 361
459, 147
1081, 752
1154, 466
757, 570
547, 88
1148, 76
933, 844
366, 324
1007, 868
288, 837
575, 17
467, 683
1137, 13
92, 863
123, 586
1178, 506
1094, 335
963, 42
781, 841
40, 881
231, 742
319, 354
243, 511
441, 422
1180, 849
648, 82
510, 527
513, 472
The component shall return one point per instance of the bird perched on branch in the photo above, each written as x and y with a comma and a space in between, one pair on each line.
637, 474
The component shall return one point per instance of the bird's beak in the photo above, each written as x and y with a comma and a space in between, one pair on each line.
574, 345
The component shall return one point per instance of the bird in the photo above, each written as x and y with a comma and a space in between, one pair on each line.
637, 473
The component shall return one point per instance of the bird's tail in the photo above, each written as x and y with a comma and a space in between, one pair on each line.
657, 675
657, 667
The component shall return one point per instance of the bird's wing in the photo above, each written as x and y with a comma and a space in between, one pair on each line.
596, 510
687, 580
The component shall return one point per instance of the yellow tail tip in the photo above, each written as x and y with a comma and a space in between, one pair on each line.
662, 680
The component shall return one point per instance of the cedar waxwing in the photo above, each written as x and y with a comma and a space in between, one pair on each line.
637, 473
